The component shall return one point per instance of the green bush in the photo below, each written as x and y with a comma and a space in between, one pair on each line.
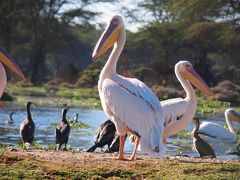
88, 78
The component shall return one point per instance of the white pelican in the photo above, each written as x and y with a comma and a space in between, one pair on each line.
213, 132
128, 102
7, 60
179, 112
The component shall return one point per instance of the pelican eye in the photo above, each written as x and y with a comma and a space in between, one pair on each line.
115, 21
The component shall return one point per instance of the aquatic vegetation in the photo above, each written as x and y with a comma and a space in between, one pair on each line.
73, 124
2, 151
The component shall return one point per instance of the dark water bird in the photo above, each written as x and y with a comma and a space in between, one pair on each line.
75, 119
27, 127
62, 131
203, 148
10, 120
106, 135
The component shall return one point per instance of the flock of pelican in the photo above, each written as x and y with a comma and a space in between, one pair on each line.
132, 108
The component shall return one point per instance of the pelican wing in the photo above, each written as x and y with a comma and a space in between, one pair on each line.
132, 105
215, 132
173, 109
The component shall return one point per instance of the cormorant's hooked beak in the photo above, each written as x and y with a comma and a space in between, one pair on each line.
233, 115
8, 61
106, 41
191, 75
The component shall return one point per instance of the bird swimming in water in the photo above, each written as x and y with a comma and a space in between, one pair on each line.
10, 120
202, 147
75, 119
106, 135
214, 132
62, 131
27, 127
235, 153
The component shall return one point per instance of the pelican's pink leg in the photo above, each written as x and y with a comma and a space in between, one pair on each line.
121, 147
137, 140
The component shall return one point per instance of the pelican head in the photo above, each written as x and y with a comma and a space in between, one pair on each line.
9, 62
185, 69
232, 115
109, 36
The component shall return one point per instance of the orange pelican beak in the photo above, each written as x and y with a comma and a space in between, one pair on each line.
106, 41
191, 75
9, 62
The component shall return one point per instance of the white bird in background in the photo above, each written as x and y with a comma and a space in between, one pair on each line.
179, 112
128, 102
8, 61
213, 132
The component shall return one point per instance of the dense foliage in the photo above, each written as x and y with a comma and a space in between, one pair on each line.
48, 43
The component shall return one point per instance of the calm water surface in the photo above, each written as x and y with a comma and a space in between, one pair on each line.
83, 138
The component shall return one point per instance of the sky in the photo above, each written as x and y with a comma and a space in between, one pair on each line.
107, 10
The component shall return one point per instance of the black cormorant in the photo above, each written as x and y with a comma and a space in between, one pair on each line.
203, 148
10, 120
27, 127
106, 135
62, 131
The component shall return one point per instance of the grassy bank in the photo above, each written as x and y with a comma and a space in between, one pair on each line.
42, 164
88, 97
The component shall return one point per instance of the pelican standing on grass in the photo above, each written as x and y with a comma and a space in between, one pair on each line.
27, 128
202, 147
179, 112
213, 132
9, 62
128, 102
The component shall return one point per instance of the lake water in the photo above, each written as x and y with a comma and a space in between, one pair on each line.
83, 138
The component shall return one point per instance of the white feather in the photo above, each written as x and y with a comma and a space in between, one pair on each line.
131, 104
213, 132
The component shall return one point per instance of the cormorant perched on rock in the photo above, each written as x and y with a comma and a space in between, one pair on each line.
10, 120
27, 127
203, 148
62, 131
106, 135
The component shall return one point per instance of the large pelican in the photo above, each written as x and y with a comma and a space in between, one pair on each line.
8, 61
128, 102
213, 132
179, 112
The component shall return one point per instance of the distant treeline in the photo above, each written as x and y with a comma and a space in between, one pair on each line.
48, 44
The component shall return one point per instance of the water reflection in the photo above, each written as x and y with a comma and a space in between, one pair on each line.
82, 138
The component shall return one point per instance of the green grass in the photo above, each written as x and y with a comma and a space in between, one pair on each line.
165, 169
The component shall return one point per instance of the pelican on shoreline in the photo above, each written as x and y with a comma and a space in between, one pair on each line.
128, 102
202, 147
213, 132
27, 128
179, 112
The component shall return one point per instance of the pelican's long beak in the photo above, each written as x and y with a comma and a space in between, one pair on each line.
234, 116
7, 60
108, 38
191, 75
